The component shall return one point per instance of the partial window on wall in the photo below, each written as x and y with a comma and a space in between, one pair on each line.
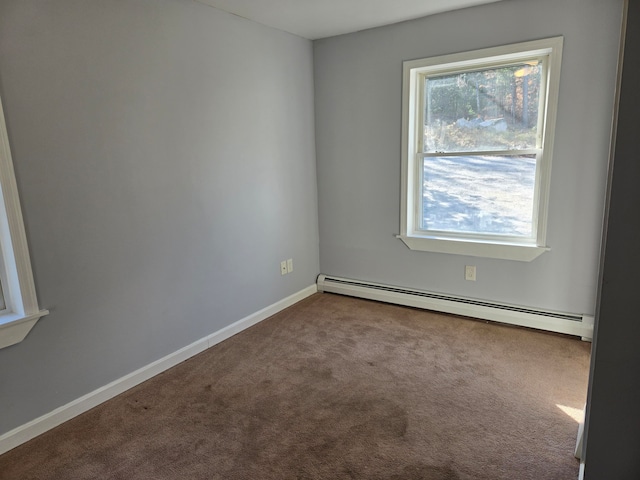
3, 305
19, 309
477, 143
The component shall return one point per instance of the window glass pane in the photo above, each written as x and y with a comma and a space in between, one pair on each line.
491, 109
479, 194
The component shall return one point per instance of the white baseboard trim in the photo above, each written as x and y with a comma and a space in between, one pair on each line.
40, 425
581, 473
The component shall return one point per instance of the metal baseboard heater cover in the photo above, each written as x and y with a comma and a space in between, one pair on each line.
559, 322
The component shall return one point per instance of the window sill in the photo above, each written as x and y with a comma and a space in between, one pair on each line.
15, 327
504, 251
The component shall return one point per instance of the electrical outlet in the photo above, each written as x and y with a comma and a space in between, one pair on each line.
470, 272
290, 265
283, 267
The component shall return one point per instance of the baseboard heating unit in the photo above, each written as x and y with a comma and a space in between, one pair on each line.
559, 322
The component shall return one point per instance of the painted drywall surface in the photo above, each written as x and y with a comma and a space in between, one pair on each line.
358, 81
164, 153
613, 423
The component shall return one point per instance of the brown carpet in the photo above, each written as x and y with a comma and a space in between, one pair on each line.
337, 388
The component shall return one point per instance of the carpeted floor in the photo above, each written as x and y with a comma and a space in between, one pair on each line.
337, 388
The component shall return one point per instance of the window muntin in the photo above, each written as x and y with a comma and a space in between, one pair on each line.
477, 148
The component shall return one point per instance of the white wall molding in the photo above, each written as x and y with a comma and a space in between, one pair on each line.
40, 425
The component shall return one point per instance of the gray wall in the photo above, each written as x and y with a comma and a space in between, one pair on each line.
164, 153
613, 418
358, 134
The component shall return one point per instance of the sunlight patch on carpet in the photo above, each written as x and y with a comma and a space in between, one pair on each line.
576, 413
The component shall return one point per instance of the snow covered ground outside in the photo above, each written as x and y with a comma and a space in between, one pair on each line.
491, 195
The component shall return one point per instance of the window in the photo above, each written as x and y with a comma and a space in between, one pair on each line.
19, 310
477, 143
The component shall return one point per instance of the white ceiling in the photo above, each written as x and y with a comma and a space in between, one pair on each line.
315, 19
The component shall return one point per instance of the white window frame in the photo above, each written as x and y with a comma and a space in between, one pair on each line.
414, 73
22, 311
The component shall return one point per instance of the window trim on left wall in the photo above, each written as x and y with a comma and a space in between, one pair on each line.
22, 310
